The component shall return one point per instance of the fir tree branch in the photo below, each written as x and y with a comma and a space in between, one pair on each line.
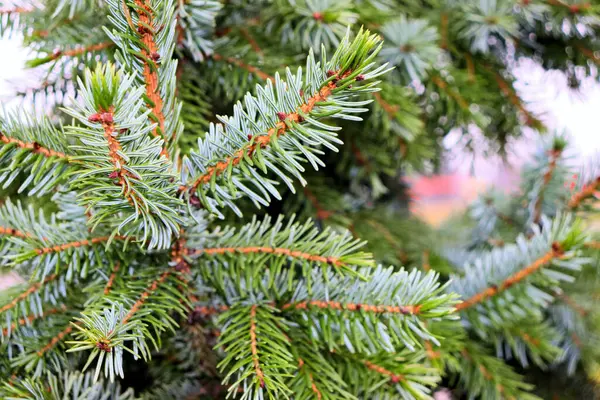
145, 295
57, 339
254, 348
587, 191
239, 63
442, 85
313, 386
336, 305
555, 154
35, 148
32, 289
575, 8
30, 318
150, 56
512, 96
80, 50
335, 261
16, 10
76, 244
555, 253
390, 109
591, 55
13, 232
111, 279
394, 378
320, 212
246, 34
105, 117
263, 141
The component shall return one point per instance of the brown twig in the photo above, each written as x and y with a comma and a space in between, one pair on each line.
546, 259
263, 141
335, 261
254, 347
32, 289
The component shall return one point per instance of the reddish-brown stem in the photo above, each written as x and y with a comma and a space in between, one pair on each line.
35, 148
13, 232
585, 193
387, 235
444, 31
32, 317
431, 353
571, 303
254, 347
263, 141
440, 83
487, 374
268, 250
555, 252
512, 96
322, 214
15, 10
573, 8
80, 243
81, 50
114, 148
390, 109
593, 245
554, 156
239, 63
56, 339
147, 293
150, 73
246, 34
470, 67
313, 387
426, 265
111, 279
588, 53
394, 378
32, 289
335, 305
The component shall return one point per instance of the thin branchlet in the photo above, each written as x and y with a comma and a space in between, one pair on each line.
79, 243
145, 295
394, 378
35, 148
32, 289
263, 141
13, 232
554, 253
150, 55
254, 347
587, 191
313, 386
335, 261
336, 305
32, 317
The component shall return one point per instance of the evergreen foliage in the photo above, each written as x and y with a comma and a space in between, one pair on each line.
139, 212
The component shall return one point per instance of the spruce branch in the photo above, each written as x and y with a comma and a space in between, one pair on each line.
13, 232
30, 290
257, 352
587, 191
29, 319
36, 148
523, 272
555, 253
383, 313
122, 171
287, 247
241, 64
145, 32
280, 128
